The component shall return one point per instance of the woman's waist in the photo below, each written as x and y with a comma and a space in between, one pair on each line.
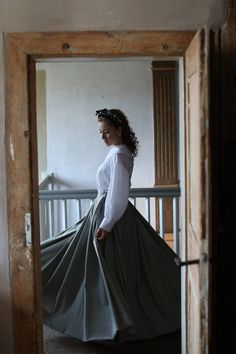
101, 193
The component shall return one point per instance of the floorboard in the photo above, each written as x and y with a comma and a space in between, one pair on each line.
58, 343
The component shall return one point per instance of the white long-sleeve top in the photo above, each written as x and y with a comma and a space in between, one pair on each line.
113, 177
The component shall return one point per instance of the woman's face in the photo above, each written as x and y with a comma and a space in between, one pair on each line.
110, 134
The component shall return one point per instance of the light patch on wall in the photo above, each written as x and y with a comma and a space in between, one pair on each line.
12, 154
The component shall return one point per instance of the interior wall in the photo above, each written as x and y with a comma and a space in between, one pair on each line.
224, 193
44, 15
74, 91
6, 337
41, 123
75, 15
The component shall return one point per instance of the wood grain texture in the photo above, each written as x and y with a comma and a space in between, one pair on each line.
70, 44
197, 191
165, 122
22, 198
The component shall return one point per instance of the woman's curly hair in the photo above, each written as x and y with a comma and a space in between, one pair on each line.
118, 119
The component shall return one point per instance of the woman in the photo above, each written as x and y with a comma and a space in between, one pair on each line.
111, 276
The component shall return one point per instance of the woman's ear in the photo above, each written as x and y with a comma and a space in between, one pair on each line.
119, 131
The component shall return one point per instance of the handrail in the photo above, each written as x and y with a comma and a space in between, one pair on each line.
47, 198
160, 192
45, 182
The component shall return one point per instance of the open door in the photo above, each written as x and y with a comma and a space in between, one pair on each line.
197, 174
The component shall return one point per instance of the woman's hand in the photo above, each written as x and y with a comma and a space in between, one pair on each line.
101, 234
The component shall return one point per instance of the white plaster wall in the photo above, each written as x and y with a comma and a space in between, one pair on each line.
74, 91
41, 123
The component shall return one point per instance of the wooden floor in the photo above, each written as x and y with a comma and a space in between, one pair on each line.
57, 343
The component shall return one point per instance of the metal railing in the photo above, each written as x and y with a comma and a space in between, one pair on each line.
50, 212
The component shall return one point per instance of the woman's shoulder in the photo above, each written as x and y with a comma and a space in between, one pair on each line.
120, 149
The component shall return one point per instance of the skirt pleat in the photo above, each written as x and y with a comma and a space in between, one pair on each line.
126, 287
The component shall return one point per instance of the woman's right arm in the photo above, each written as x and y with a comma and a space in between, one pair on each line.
118, 191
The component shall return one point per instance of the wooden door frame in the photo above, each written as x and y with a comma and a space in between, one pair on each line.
198, 221
22, 51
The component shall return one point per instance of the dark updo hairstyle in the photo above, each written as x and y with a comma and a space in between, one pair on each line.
118, 119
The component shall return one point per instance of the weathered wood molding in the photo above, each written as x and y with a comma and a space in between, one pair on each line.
165, 98
70, 44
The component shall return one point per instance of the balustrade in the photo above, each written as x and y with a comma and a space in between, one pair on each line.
57, 205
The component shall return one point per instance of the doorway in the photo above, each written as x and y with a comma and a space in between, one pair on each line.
68, 94
23, 51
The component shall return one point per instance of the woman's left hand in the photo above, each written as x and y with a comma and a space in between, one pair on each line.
101, 234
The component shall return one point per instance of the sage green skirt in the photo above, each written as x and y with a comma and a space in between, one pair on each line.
126, 287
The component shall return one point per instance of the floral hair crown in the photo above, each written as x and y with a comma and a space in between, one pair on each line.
106, 113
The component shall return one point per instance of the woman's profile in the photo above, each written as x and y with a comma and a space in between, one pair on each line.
111, 276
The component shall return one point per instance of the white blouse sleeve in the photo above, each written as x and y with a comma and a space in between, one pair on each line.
118, 190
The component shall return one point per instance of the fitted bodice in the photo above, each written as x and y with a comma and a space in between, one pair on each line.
113, 177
